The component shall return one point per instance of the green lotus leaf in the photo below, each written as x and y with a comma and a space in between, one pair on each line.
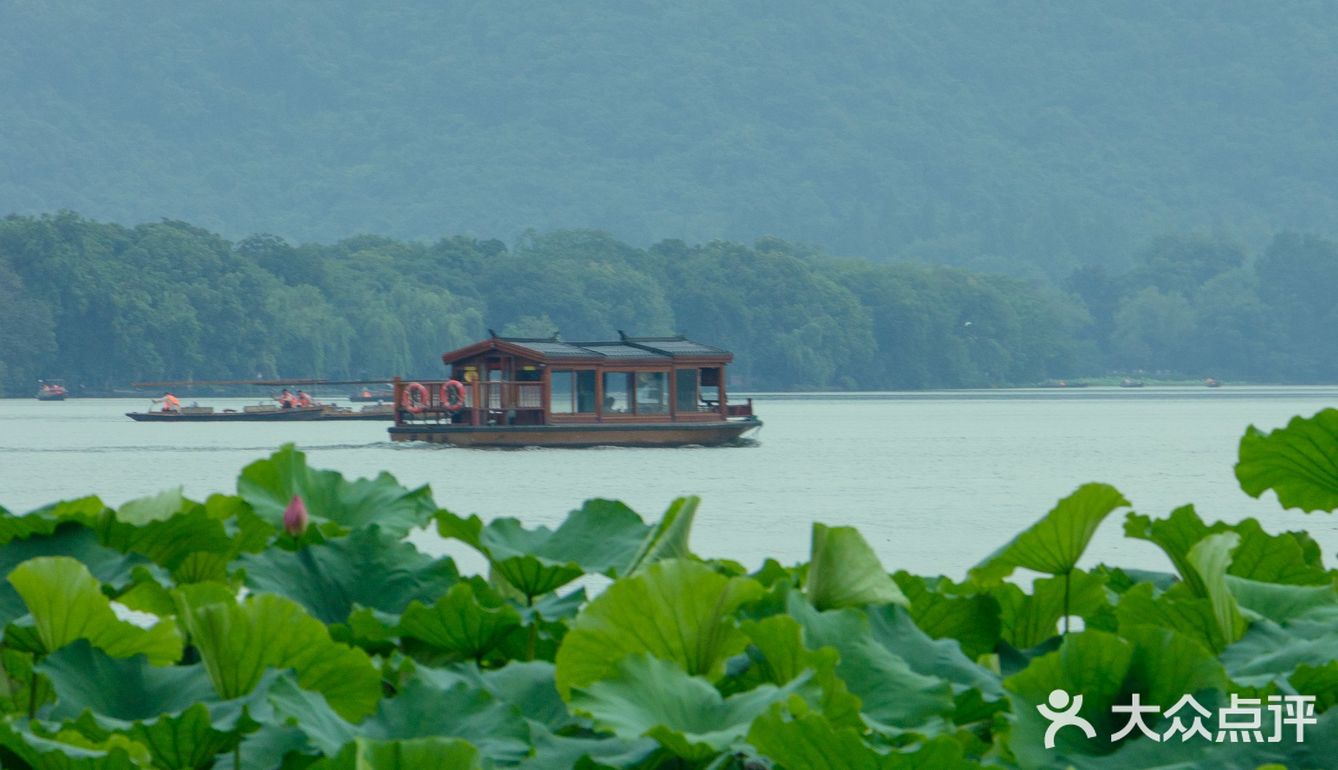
67, 539
844, 572
1290, 557
238, 641
893, 628
647, 696
669, 538
410, 754
43, 521
1280, 603
129, 689
465, 621
1298, 462
1166, 665
530, 686
810, 742
166, 529
676, 610
1175, 535
1270, 652
1176, 610
892, 693
184, 740
22, 690
1093, 664
600, 536
588, 753
269, 485
1054, 544
420, 710
369, 567
1210, 557
1030, 619
67, 603
1319, 681
42, 748
972, 619
777, 656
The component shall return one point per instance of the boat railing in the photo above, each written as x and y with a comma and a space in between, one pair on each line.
493, 395
740, 410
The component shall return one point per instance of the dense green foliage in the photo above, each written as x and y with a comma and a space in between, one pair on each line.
102, 305
1033, 135
250, 632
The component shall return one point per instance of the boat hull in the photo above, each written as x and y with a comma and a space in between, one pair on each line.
278, 415
46, 397
575, 436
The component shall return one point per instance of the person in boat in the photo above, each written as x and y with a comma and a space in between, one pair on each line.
366, 393
171, 403
286, 399
303, 400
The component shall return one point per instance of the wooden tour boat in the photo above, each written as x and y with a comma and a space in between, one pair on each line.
521, 391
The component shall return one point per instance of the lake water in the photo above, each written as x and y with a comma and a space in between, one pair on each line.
935, 481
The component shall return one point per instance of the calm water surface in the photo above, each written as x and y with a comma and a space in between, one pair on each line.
934, 481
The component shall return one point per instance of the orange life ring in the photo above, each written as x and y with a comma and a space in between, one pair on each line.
456, 387
409, 403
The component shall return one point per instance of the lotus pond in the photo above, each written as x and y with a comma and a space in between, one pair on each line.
293, 625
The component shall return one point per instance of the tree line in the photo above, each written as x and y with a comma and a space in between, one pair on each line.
101, 305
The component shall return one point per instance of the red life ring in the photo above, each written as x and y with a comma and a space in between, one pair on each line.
456, 387
409, 403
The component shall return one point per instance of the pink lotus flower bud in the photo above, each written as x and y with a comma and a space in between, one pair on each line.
295, 516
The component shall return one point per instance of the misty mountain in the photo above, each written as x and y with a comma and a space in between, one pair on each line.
1026, 137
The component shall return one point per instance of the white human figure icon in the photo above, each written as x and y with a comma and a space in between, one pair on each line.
1063, 712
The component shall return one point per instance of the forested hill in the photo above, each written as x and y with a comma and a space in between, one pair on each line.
1026, 137
102, 305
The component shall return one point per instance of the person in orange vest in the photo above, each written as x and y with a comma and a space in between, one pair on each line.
366, 393
303, 399
171, 403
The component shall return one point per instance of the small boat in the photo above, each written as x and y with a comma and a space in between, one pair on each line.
1211, 383
384, 412
262, 413
1128, 383
521, 392
51, 390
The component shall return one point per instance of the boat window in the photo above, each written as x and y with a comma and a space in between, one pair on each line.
572, 391
710, 389
652, 393
686, 382
585, 391
561, 393
618, 392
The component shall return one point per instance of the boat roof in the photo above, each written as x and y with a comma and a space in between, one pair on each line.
625, 348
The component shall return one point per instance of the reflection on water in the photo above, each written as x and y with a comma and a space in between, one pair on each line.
936, 481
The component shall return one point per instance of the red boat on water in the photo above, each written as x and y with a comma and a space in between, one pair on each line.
51, 390
519, 391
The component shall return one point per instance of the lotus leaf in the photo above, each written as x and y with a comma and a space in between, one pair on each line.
1298, 462
844, 572
342, 505
677, 610
67, 603
1054, 544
